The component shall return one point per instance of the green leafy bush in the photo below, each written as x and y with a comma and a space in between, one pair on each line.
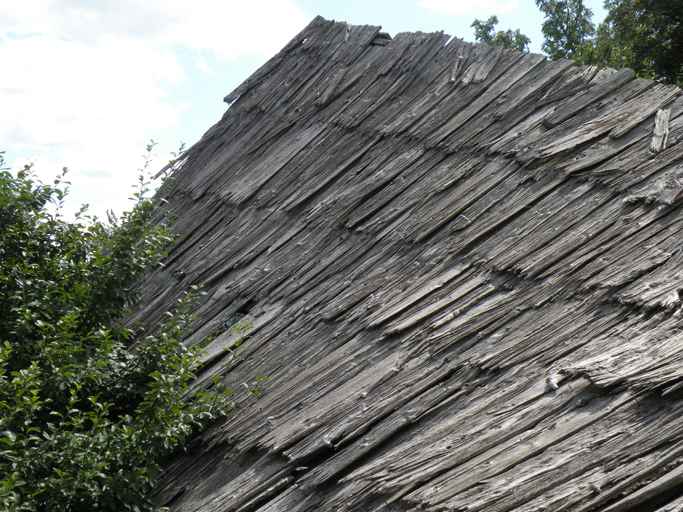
87, 406
485, 32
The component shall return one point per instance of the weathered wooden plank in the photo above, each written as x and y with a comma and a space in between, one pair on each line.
373, 280
628, 268
410, 412
411, 296
661, 131
453, 438
593, 122
516, 72
573, 81
571, 229
602, 151
419, 55
601, 86
553, 462
662, 188
634, 219
414, 393
299, 81
486, 227
322, 172
523, 455
607, 149
358, 184
437, 328
337, 400
673, 506
543, 335
638, 171
321, 256
629, 353
350, 46
483, 319
461, 96
315, 28
505, 248
658, 288
451, 202
663, 95
517, 132
530, 87
439, 178
248, 184
525, 90
439, 81
659, 487
357, 80
425, 311
606, 482
645, 250
397, 186
479, 70
527, 121
628, 102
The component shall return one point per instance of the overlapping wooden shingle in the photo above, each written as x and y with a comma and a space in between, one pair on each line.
463, 265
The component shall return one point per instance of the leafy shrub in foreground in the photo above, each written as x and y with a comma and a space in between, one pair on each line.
86, 409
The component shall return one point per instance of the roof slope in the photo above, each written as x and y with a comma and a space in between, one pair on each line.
468, 265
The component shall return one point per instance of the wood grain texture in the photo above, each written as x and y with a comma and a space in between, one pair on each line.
463, 266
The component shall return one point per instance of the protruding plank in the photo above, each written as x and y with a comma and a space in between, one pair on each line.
661, 131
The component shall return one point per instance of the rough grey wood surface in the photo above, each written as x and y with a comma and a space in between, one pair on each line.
469, 270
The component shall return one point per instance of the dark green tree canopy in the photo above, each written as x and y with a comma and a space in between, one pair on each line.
567, 27
485, 32
644, 35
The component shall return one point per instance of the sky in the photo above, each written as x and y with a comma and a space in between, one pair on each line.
87, 84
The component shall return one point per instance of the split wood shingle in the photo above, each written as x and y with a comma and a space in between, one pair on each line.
469, 272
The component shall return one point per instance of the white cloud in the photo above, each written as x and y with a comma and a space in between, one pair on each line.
58, 91
201, 64
228, 27
455, 7
86, 83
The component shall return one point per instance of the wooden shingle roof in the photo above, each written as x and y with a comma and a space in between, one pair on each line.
463, 265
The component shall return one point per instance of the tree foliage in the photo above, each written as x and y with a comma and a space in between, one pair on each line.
643, 35
87, 406
485, 32
567, 27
